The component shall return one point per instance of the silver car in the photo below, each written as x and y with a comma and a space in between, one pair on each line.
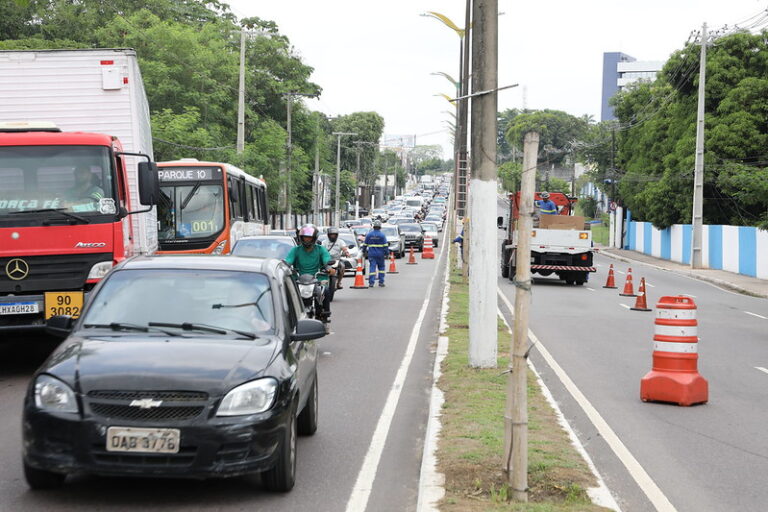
395, 240
430, 230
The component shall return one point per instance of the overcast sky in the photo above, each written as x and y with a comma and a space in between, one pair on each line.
378, 55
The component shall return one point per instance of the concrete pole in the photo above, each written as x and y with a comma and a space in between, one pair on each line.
698, 176
241, 98
463, 117
516, 414
316, 178
483, 255
337, 214
289, 103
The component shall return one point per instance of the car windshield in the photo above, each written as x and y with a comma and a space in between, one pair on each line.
344, 238
428, 226
217, 298
75, 179
389, 231
410, 228
266, 247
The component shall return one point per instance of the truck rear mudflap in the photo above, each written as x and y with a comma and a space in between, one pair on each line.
563, 267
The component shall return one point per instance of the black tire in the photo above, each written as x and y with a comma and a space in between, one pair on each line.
307, 420
512, 272
38, 479
569, 282
282, 476
579, 283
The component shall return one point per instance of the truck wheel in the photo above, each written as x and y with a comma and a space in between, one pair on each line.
504, 270
512, 272
569, 282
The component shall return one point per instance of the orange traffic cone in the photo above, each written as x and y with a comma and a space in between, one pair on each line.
412, 258
628, 288
392, 267
359, 280
641, 304
427, 253
611, 282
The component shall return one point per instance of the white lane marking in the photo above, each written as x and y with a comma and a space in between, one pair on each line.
618, 271
361, 491
764, 370
636, 471
590, 289
624, 306
649, 284
755, 314
688, 295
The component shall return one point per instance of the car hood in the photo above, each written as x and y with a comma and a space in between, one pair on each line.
160, 363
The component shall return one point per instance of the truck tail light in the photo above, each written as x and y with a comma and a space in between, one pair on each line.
583, 257
583, 236
533, 234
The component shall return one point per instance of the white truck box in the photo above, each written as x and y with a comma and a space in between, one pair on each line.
85, 90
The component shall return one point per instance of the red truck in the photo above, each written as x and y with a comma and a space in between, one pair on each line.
72, 203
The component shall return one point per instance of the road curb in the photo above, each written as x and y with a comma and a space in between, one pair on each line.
713, 280
431, 481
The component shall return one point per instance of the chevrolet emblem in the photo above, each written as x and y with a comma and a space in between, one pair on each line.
17, 269
146, 403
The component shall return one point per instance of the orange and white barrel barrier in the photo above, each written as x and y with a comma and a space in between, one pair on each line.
675, 376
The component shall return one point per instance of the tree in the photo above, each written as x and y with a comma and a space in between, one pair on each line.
557, 130
369, 127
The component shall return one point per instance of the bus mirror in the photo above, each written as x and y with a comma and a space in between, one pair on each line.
149, 183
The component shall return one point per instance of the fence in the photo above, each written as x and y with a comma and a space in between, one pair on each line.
739, 249
282, 221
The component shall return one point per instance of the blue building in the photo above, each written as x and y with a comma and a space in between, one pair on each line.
620, 70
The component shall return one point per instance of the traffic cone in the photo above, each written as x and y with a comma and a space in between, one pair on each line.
359, 280
412, 258
427, 253
611, 282
392, 267
641, 304
628, 288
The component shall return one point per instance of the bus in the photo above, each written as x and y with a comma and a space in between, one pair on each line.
205, 207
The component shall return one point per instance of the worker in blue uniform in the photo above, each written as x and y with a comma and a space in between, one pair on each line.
378, 250
546, 206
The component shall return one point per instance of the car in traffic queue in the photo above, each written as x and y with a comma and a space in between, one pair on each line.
412, 234
430, 229
351, 243
179, 366
395, 239
264, 246
435, 219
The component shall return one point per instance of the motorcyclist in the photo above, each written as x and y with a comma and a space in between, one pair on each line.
337, 249
378, 250
311, 258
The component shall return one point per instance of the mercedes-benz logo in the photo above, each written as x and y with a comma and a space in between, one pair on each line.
17, 269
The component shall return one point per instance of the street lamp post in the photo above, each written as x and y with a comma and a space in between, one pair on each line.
339, 135
289, 149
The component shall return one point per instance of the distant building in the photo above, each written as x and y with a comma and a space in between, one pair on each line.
620, 70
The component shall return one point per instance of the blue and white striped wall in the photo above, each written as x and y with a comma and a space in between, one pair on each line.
739, 249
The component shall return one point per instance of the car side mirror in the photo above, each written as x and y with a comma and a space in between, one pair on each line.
500, 221
308, 329
59, 325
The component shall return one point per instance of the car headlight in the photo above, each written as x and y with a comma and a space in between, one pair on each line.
53, 395
99, 270
220, 248
249, 398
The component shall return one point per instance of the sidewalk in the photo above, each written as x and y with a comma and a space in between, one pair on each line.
736, 282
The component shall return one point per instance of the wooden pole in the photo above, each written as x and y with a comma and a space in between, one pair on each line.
516, 415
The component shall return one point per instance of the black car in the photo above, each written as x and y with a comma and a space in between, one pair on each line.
180, 366
414, 237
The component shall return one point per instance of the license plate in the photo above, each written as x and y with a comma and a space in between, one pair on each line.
63, 303
143, 440
19, 308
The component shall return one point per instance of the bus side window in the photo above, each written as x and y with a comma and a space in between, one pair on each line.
262, 202
255, 203
250, 214
235, 199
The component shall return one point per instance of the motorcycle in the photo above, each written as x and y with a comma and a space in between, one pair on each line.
312, 291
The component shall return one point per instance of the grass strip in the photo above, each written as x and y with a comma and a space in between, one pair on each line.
470, 449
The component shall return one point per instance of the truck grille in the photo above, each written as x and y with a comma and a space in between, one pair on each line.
53, 272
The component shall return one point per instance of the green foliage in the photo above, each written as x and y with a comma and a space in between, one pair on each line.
656, 155
510, 174
369, 127
557, 130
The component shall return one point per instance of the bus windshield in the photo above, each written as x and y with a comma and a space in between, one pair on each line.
77, 179
190, 210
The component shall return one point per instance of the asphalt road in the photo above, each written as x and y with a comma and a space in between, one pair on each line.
710, 457
358, 365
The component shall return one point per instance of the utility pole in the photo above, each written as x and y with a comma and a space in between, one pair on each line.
339, 135
483, 256
316, 177
516, 414
698, 177
462, 159
289, 147
357, 181
241, 98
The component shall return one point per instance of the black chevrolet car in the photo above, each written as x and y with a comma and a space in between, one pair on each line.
180, 366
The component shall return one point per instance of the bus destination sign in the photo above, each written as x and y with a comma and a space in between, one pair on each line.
189, 173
